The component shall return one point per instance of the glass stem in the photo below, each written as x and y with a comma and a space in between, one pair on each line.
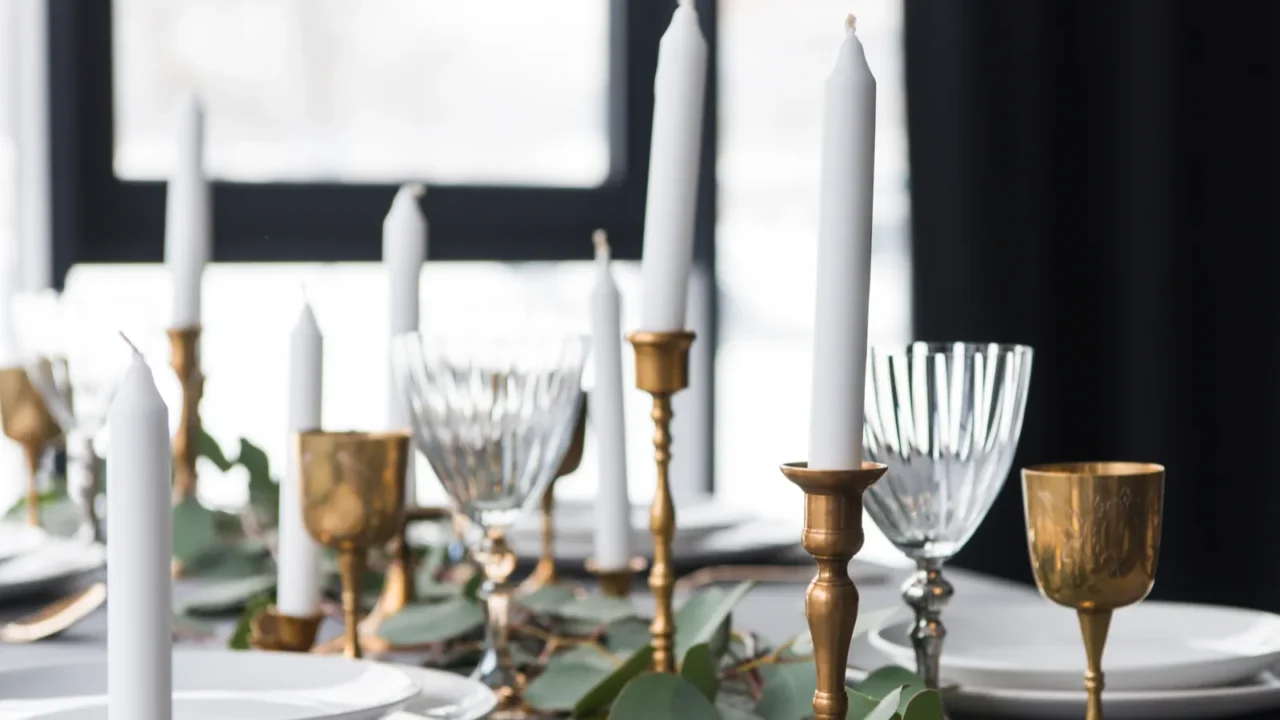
927, 592
498, 561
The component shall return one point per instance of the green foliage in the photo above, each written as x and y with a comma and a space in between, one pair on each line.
226, 596
424, 623
240, 638
665, 697
700, 670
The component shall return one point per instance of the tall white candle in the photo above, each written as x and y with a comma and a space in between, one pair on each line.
404, 249
188, 232
676, 145
140, 528
844, 261
298, 589
613, 505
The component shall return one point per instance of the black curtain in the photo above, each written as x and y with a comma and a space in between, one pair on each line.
1101, 180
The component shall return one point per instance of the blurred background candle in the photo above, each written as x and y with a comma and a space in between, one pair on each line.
678, 91
298, 590
140, 526
188, 231
844, 261
613, 505
404, 249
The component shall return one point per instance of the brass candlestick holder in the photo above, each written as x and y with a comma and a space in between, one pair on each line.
545, 572
28, 422
352, 499
184, 346
662, 369
270, 630
832, 535
398, 587
617, 583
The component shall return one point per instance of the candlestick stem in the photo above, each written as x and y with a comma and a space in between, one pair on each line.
545, 572
832, 535
33, 453
184, 346
662, 369
351, 567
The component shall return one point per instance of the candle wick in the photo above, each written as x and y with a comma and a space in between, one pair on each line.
600, 239
851, 23
416, 190
136, 353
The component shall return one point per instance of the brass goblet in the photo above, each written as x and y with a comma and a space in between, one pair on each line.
1093, 531
352, 499
28, 422
545, 572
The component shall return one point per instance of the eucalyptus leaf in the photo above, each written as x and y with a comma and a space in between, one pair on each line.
860, 706
788, 691
588, 655
604, 692
240, 637
208, 448
669, 697
233, 560
563, 683
730, 712
471, 588
423, 623
194, 530
700, 670
547, 599
885, 680
225, 597
705, 618
598, 609
626, 635
887, 708
924, 705
264, 493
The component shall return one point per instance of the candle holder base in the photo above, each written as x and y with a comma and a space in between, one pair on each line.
270, 630
617, 583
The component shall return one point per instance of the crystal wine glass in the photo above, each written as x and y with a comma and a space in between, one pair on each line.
945, 418
494, 417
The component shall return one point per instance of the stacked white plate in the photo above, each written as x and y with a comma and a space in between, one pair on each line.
1026, 659
220, 684
32, 561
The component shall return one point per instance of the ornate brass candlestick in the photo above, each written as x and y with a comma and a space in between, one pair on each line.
545, 572
269, 630
617, 583
352, 499
662, 369
27, 421
184, 344
398, 587
832, 535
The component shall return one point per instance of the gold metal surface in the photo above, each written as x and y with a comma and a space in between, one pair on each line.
27, 421
545, 572
617, 583
832, 535
56, 616
398, 586
352, 499
184, 346
1093, 532
498, 561
662, 369
269, 630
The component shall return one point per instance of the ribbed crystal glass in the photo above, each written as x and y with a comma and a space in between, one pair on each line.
493, 416
945, 418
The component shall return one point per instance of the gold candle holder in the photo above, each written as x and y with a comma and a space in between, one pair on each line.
271, 630
184, 344
617, 583
398, 587
662, 369
832, 535
28, 422
352, 499
545, 572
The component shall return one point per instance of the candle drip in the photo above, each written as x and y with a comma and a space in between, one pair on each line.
851, 23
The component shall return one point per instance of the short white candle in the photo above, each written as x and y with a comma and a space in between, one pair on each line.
188, 232
613, 505
404, 249
139, 551
676, 149
298, 589
844, 261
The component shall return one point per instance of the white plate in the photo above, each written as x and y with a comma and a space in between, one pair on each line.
445, 696
1151, 646
19, 538
218, 685
1258, 694
54, 564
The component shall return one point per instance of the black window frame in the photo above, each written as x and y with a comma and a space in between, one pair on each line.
99, 218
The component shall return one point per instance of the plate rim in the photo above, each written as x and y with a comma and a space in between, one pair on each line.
491, 698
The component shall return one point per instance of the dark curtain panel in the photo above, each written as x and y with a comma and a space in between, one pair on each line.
1101, 180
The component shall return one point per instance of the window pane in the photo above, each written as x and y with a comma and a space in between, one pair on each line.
774, 59
482, 91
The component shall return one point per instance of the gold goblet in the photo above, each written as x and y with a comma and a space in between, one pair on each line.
545, 572
1093, 531
352, 499
27, 421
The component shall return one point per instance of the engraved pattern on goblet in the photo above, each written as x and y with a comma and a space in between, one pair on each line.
494, 418
945, 418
